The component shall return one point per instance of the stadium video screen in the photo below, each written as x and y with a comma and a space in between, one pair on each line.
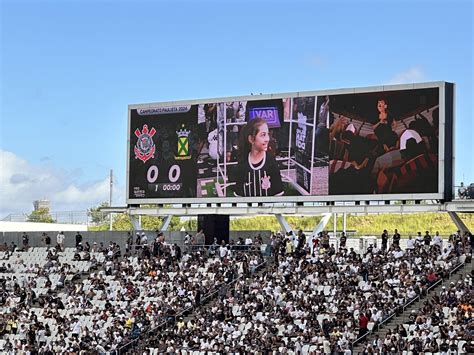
384, 142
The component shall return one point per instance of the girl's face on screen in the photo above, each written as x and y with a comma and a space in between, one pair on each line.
260, 140
381, 106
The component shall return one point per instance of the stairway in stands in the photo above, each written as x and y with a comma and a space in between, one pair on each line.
143, 344
206, 304
403, 318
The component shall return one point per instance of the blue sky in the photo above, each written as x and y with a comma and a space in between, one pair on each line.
70, 68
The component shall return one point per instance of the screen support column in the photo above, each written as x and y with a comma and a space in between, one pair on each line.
322, 223
166, 223
283, 223
344, 222
458, 222
136, 222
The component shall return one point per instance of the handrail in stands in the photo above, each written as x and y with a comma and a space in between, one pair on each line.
405, 306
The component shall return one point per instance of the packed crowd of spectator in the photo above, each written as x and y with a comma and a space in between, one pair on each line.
112, 303
442, 325
314, 298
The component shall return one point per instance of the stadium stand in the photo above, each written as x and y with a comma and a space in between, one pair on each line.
441, 325
54, 302
320, 303
312, 297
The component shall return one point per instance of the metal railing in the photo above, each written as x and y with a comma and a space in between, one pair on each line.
69, 217
455, 269
209, 248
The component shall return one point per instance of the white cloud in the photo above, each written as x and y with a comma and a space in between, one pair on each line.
412, 75
76, 194
21, 183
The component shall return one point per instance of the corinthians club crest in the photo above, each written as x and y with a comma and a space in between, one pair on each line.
145, 147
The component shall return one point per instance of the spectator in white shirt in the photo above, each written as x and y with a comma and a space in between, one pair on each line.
419, 238
223, 251
437, 240
144, 238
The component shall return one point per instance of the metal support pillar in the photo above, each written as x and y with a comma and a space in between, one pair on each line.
166, 223
111, 221
110, 198
458, 222
334, 229
320, 226
283, 223
136, 222
344, 222
317, 229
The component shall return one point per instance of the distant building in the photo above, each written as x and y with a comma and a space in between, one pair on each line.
37, 204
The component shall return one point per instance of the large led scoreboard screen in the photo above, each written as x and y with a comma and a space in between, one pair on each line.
374, 143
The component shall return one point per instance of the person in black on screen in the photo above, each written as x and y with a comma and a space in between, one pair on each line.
257, 173
322, 125
386, 137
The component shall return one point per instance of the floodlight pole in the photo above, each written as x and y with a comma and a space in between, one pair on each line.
110, 197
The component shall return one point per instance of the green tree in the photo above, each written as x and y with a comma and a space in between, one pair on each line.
189, 224
41, 215
151, 223
97, 216
122, 222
